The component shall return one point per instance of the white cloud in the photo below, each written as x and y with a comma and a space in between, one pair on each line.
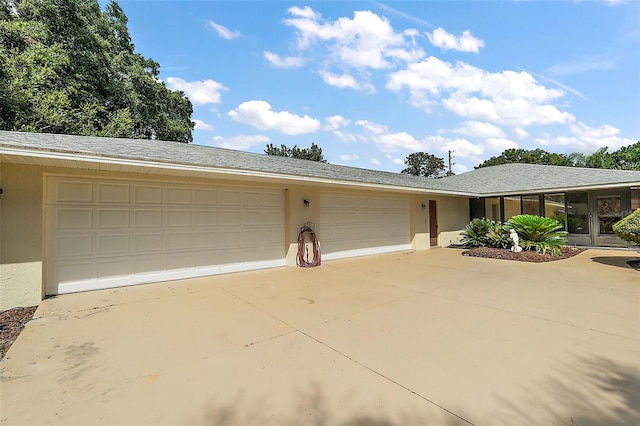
479, 129
199, 92
366, 41
345, 81
223, 31
508, 97
388, 142
520, 133
335, 122
201, 125
517, 112
375, 161
305, 12
345, 136
460, 147
260, 115
349, 157
280, 62
241, 142
587, 139
342, 81
465, 43
497, 145
398, 161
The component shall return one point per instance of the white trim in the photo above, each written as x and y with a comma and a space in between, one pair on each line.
179, 274
365, 252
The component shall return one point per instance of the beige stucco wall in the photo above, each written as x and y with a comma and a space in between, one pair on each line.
453, 216
419, 222
20, 235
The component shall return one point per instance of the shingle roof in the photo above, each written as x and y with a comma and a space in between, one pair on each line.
518, 178
209, 157
497, 180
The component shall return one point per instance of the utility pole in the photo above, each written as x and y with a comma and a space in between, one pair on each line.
450, 173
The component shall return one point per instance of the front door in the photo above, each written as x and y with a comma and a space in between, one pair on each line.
607, 208
433, 224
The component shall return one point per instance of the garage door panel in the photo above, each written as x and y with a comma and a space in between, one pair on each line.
147, 218
352, 225
146, 194
113, 269
148, 266
179, 196
112, 218
205, 218
230, 218
146, 243
103, 233
205, 240
176, 241
73, 246
77, 218
178, 218
113, 193
206, 197
230, 198
114, 244
68, 191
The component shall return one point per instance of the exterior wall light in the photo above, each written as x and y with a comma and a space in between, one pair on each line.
306, 203
423, 206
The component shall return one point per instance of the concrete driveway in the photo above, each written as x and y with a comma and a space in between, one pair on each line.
408, 338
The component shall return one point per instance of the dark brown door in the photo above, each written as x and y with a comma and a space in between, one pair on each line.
433, 224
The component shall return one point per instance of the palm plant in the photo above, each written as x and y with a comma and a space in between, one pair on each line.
485, 233
542, 234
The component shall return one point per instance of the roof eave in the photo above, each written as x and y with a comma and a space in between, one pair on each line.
223, 172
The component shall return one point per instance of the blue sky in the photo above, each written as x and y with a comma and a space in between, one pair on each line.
371, 82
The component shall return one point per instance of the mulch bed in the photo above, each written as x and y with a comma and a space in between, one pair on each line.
523, 256
12, 322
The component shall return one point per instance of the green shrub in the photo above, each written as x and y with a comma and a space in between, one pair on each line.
485, 233
628, 228
475, 232
542, 234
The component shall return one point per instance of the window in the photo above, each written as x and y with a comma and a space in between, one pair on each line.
531, 204
511, 207
635, 198
554, 207
577, 212
492, 208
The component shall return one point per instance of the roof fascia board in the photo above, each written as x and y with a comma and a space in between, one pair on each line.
269, 176
563, 189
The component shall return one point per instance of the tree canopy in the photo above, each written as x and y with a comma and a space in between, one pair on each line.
626, 158
66, 66
424, 164
313, 153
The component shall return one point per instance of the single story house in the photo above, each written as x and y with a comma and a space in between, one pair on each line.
82, 213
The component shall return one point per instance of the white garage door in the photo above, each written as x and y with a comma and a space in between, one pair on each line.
110, 233
355, 225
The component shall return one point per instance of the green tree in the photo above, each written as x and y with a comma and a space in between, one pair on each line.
534, 156
627, 157
66, 66
313, 153
424, 164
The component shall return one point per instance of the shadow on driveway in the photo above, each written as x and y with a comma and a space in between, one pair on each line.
619, 261
574, 386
